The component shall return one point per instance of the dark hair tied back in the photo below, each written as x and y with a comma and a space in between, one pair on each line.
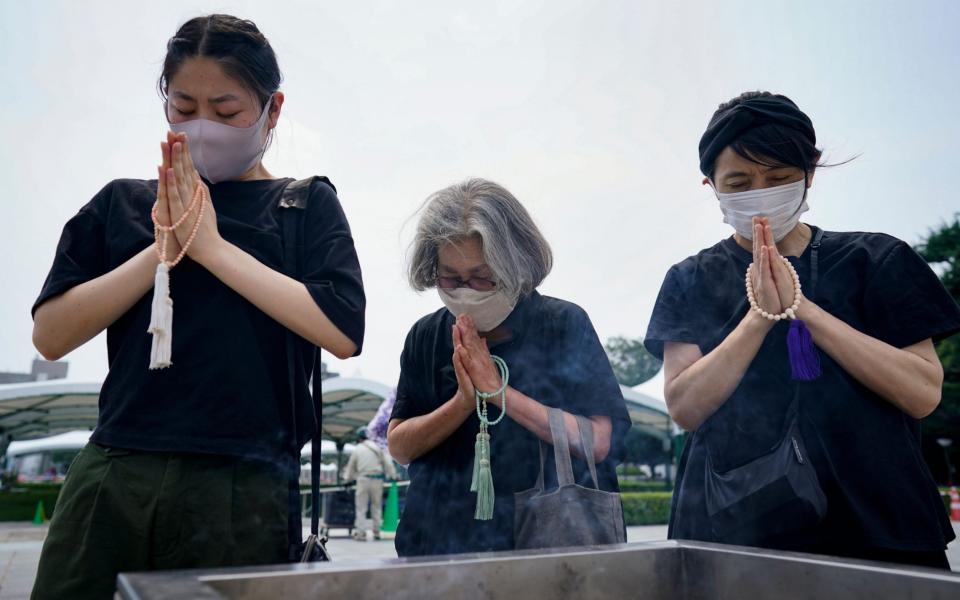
236, 44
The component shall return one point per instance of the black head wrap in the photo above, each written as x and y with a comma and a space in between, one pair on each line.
729, 124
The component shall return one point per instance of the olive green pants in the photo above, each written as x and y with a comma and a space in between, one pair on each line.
127, 510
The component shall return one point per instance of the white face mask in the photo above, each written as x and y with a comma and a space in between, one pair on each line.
488, 309
782, 205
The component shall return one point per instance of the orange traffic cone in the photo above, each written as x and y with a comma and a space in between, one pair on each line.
954, 505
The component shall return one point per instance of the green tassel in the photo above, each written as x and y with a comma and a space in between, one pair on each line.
484, 510
482, 480
476, 461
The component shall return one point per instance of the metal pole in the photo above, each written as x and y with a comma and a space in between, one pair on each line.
340, 445
946, 443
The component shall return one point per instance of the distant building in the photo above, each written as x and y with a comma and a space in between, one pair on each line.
40, 370
325, 374
45, 370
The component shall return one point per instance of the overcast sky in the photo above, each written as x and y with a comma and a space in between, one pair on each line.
589, 112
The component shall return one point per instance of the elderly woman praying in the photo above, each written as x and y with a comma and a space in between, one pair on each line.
479, 247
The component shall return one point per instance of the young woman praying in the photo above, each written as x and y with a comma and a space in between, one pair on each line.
524, 353
801, 361
190, 462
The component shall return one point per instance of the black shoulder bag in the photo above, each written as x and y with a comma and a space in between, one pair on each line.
293, 204
776, 494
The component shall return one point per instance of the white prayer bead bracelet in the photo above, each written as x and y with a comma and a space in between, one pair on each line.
790, 313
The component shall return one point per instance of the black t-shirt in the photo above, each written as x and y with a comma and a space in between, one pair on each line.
227, 390
555, 358
866, 451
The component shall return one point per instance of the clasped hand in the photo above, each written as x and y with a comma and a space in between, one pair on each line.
772, 280
474, 368
177, 182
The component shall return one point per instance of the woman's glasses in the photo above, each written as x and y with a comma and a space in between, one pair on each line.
476, 283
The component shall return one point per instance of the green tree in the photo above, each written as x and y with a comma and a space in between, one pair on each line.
942, 250
641, 448
632, 364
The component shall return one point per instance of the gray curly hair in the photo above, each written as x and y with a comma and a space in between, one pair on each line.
513, 246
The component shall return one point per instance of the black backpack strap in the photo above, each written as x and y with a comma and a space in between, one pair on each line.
293, 204
291, 231
794, 409
815, 261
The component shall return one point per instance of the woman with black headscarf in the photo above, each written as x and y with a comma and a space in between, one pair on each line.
801, 361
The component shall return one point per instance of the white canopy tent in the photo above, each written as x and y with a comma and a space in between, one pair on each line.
44, 408
71, 440
348, 404
648, 412
327, 448
47, 408
41, 409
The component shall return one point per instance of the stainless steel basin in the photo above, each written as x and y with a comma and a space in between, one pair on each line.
676, 570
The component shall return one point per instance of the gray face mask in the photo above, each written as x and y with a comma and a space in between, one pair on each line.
782, 205
223, 152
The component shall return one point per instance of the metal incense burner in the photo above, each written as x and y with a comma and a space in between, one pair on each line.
675, 570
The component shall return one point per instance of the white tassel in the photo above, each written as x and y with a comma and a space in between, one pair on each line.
161, 320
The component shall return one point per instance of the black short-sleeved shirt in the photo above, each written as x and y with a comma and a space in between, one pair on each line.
865, 450
227, 390
555, 358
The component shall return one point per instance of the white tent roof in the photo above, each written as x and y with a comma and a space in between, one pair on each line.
37, 409
647, 412
348, 404
326, 447
69, 440
41, 408
78, 439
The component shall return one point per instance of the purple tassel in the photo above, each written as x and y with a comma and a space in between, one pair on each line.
804, 360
